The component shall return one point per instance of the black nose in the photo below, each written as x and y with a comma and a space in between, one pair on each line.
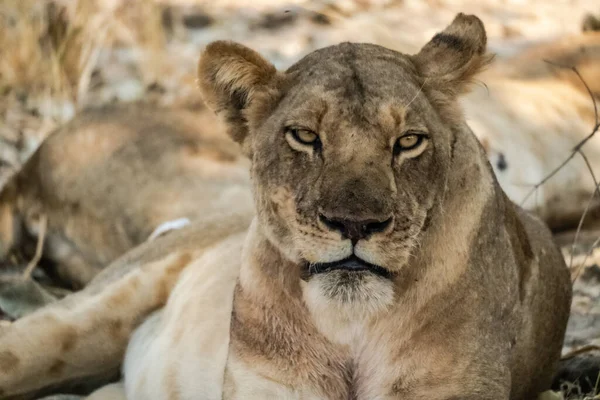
355, 230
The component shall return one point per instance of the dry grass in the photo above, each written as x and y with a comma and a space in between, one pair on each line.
49, 52
46, 49
51, 47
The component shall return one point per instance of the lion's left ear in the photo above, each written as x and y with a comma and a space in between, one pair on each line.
233, 79
454, 56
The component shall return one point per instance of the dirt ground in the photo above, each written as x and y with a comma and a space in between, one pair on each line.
108, 51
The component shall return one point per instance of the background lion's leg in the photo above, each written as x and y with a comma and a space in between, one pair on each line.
85, 334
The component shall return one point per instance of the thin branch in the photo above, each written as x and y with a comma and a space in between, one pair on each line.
587, 206
38, 249
574, 69
580, 350
589, 167
580, 144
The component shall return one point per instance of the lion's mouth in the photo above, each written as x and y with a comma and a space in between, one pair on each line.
350, 264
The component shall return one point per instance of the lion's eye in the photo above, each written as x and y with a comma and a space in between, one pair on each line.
304, 136
409, 141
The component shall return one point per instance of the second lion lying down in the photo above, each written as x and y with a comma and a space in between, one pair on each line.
384, 260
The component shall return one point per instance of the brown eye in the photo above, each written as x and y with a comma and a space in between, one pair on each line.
408, 141
304, 136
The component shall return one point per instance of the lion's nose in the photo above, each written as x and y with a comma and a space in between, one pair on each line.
356, 230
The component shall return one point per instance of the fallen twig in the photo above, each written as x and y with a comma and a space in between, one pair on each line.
38, 249
581, 350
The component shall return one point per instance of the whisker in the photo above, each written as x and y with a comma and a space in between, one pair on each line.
418, 92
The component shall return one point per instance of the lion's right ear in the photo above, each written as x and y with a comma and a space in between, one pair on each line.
454, 56
236, 82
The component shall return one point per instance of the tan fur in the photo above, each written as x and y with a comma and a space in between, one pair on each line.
175, 164
467, 297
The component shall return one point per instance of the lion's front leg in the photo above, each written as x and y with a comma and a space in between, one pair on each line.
85, 334
181, 351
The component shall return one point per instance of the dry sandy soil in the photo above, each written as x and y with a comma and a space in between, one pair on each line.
55, 61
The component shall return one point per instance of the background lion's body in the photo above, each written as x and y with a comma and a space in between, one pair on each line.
85, 176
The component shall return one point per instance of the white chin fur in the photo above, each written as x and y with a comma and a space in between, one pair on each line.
341, 302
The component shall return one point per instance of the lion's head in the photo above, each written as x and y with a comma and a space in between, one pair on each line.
351, 148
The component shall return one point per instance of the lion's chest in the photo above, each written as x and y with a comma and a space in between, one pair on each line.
370, 378
277, 354
256, 379
373, 371
243, 381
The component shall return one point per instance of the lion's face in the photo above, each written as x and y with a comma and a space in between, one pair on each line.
350, 160
351, 147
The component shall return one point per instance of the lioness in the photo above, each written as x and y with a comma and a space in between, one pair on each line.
384, 260
107, 179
